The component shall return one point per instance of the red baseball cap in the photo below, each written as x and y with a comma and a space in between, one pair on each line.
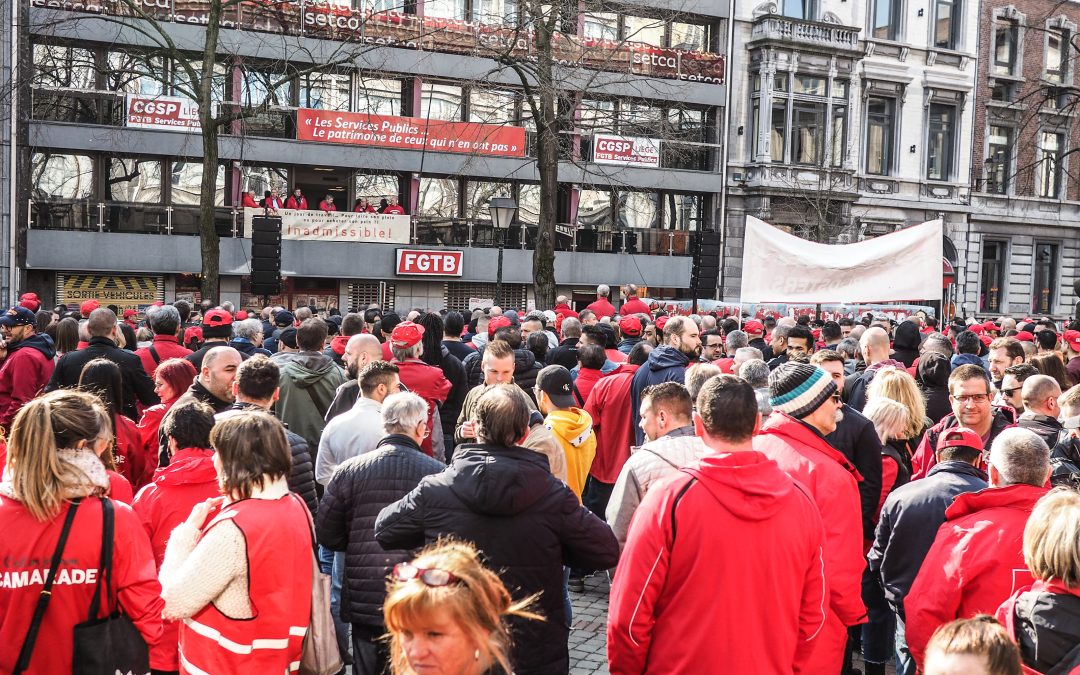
30, 301
754, 326
193, 333
959, 437
496, 323
661, 321
976, 328
1073, 338
217, 317
990, 325
241, 315
406, 334
88, 306
1025, 336
129, 312
630, 326
986, 339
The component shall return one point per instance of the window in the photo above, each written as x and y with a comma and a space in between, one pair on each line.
597, 116
594, 209
886, 19
683, 211
495, 12
999, 160
880, 141
645, 30
1057, 54
638, 210
1051, 149
638, 118
941, 130
135, 73
438, 198
265, 86
799, 9
601, 26
1005, 42
491, 106
186, 182
376, 187
946, 24
838, 136
692, 37
779, 132
182, 85
817, 131
134, 180
258, 178
440, 101
58, 67
445, 9
478, 197
1042, 300
57, 177
808, 133
993, 276
325, 91
378, 97
529, 204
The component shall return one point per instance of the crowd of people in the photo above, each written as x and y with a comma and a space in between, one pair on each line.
772, 494
272, 202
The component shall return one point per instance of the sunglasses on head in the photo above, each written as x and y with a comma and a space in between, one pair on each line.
430, 577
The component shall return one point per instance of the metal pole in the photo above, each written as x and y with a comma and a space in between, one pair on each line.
498, 270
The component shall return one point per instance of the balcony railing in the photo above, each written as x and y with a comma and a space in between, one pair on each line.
90, 216
809, 33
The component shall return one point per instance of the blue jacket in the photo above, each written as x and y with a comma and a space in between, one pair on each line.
665, 364
909, 523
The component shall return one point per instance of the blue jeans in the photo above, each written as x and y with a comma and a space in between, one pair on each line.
905, 664
566, 596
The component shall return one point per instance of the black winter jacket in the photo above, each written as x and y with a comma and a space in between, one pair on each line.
344, 398
527, 525
1045, 626
1065, 464
361, 487
564, 355
932, 375
909, 523
526, 369
856, 439
1046, 428
136, 383
459, 388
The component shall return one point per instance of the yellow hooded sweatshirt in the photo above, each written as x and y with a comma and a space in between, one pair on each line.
572, 428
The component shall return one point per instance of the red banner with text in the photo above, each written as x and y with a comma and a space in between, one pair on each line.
409, 133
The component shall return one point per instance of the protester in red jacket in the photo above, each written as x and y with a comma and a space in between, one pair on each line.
977, 559
602, 307
562, 306
429, 382
165, 322
591, 359
632, 304
27, 362
296, 200
189, 479
806, 406
248, 201
172, 380
753, 600
66, 428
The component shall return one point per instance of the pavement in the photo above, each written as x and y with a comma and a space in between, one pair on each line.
588, 632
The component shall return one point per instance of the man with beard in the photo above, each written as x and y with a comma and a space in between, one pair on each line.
214, 383
360, 350
667, 363
27, 362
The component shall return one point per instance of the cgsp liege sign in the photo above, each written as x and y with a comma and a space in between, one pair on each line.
429, 262
169, 113
626, 150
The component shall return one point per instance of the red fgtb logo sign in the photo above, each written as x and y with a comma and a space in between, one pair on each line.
429, 263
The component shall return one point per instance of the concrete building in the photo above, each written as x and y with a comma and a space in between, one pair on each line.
852, 119
108, 201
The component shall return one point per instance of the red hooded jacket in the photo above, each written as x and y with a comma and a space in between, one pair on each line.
664, 615
975, 564
586, 380
24, 561
190, 478
602, 307
609, 406
565, 310
167, 347
429, 383
24, 373
633, 305
833, 481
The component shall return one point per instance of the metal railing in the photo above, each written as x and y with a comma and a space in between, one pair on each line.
84, 215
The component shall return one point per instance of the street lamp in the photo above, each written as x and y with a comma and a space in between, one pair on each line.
502, 211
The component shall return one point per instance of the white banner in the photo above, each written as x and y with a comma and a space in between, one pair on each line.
313, 225
780, 267
626, 150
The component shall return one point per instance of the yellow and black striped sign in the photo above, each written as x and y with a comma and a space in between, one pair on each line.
124, 291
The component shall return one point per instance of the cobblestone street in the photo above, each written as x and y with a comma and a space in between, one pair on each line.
588, 639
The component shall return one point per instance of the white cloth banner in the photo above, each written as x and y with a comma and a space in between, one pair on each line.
780, 267
311, 225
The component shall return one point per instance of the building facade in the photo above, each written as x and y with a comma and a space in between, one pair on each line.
109, 197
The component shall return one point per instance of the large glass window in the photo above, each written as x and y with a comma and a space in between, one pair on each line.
259, 86
638, 210
258, 178
58, 67
441, 101
325, 91
495, 12
478, 195
683, 211
529, 204
798, 9
693, 37
941, 130
1057, 54
808, 133
377, 187
886, 19
880, 139
182, 83
601, 26
779, 132
445, 9
185, 180
378, 97
946, 23
136, 73
1005, 42
134, 180
1051, 149
1045, 272
438, 198
992, 276
57, 176
645, 30
808, 120
597, 116
491, 106
999, 159
594, 209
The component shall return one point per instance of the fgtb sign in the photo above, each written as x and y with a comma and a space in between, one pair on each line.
428, 263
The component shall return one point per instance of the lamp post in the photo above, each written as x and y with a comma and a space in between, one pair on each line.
502, 211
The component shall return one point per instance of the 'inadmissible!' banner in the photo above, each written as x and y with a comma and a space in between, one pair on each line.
409, 133
372, 228
780, 267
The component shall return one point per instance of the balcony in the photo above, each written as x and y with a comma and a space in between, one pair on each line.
830, 37
84, 215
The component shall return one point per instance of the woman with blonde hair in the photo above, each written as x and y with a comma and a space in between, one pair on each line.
897, 385
238, 571
445, 612
53, 508
1044, 618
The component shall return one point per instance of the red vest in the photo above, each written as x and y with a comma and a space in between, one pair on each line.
279, 585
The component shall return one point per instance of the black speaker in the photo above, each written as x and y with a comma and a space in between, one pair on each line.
705, 269
266, 255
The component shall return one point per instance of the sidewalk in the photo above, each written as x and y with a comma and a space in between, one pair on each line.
588, 636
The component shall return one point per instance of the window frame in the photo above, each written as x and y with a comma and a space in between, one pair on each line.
949, 145
1048, 272
1055, 161
998, 271
999, 185
895, 29
888, 160
956, 8
1011, 28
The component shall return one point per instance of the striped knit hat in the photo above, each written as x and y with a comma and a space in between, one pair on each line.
799, 389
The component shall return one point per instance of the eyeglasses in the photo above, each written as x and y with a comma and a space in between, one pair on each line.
964, 399
837, 399
1009, 392
431, 577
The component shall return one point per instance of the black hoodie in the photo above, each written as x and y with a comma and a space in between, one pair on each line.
906, 343
527, 525
932, 376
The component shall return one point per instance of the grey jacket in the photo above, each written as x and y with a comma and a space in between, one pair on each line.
649, 463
